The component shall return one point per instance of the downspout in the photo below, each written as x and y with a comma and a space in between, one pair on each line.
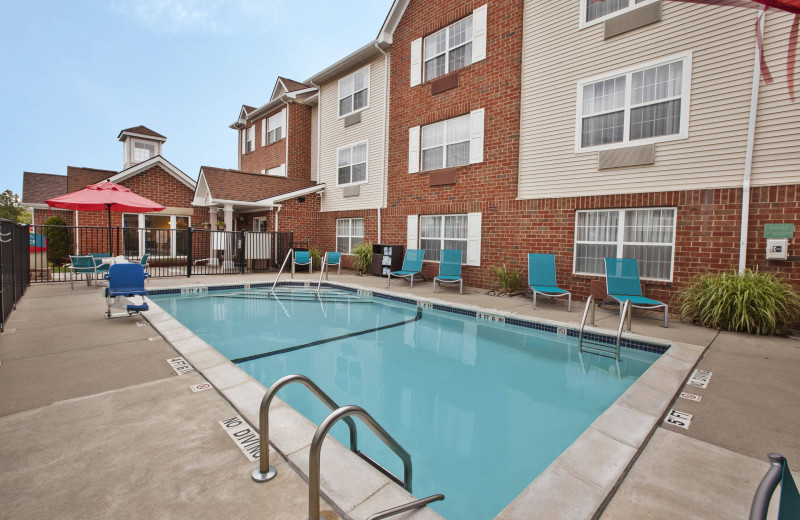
384, 159
319, 122
278, 210
748, 158
286, 122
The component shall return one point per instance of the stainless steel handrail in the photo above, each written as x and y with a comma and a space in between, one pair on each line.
316, 447
760, 506
589, 304
321, 272
264, 471
406, 507
291, 250
625, 316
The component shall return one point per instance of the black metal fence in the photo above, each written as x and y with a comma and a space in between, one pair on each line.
14, 266
167, 252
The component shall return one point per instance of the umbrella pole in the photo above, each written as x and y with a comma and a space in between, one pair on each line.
110, 252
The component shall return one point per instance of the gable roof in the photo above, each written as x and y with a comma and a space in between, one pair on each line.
141, 130
157, 160
396, 12
38, 187
292, 85
236, 185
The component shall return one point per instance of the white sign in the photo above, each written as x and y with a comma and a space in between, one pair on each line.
362, 292
679, 419
194, 291
691, 397
200, 387
243, 435
699, 378
562, 331
490, 317
180, 366
142, 324
154, 338
424, 305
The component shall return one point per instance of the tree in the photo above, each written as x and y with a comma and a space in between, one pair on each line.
11, 208
59, 245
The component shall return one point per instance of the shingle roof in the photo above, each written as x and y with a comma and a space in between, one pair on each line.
293, 85
229, 184
79, 177
38, 187
248, 108
141, 129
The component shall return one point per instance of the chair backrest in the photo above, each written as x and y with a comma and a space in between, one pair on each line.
126, 277
450, 262
144, 258
333, 258
622, 277
413, 260
542, 270
81, 261
302, 257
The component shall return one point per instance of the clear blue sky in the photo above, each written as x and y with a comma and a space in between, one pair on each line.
76, 73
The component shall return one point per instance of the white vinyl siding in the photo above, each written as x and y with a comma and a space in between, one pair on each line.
436, 232
275, 126
352, 164
354, 92
596, 11
639, 106
647, 234
349, 233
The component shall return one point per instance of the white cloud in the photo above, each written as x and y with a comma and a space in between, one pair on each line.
196, 15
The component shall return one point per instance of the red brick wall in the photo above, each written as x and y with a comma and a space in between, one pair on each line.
40, 215
298, 130
263, 157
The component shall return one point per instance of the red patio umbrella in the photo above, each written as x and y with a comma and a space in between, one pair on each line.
105, 196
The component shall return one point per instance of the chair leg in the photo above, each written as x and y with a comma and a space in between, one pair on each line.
461, 287
309, 266
534, 300
434, 284
388, 279
666, 319
412, 280
569, 302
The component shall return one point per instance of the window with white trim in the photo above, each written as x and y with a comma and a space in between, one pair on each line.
142, 151
259, 224
354, 92
275, 127
437, 232
446, 144
595, 11
250, 140
638, 106
647, 235
352, 164
448, 49
349, 233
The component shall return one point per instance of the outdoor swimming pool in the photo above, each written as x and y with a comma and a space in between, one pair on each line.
482, 407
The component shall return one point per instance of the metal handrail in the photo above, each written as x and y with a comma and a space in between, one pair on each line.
264, 471
316, 447
624, 316
291, 250
321, 272
589, 304
760, 506
406, 507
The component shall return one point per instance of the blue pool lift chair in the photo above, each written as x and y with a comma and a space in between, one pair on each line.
623, 283
85, 264
412, 265
542, 278
450, 269
333, 258
125, 281
301, 258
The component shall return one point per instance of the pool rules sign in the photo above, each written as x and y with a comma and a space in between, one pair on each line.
245, 437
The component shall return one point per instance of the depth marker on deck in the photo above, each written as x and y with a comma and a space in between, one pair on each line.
690, 397
246, 438
180, 366
699, 378
679, 419
200, 387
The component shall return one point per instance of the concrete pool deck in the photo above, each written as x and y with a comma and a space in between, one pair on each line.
116, 377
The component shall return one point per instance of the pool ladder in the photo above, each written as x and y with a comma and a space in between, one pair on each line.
264, 472
283, 265
599, 348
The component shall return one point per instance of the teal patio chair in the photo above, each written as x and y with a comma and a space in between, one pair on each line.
333, 258
412, 265
450, 269
301, 258
623, 283
85, 264
542, 278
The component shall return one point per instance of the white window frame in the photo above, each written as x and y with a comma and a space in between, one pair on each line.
351, 77
631, 6
444, 145
139, 141
448, 49
628, 72
620, 242
274, 123
442, 237
250, 139
256, 224
350, 236
366, 163
172, 228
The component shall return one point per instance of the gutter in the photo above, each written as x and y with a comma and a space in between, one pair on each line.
748, 158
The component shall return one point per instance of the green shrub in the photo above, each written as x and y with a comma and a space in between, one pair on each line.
59, 245
316, 258
506, 280
752, 302
362, 257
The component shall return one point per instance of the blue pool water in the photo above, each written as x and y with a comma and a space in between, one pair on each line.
482, 407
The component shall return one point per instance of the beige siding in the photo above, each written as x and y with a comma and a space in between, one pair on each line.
557, 55
334, 135
314, 139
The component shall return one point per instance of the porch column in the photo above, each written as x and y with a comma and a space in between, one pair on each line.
227, 264
212, 217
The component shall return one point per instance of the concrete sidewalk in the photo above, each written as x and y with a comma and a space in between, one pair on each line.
92, 409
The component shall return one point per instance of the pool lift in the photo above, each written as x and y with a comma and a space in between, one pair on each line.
600, 348
264, 472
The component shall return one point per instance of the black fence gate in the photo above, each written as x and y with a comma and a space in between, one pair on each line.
14, 266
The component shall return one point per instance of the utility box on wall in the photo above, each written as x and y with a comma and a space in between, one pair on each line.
777, 249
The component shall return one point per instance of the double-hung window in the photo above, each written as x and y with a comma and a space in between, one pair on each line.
349, 233
448, 49
275, 127
446, 144
352, 164
250, 140
437, 232
647, 235
143, 151
595, 11
639, 106
354, 92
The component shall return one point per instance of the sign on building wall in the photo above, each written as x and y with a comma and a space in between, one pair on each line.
778, 230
